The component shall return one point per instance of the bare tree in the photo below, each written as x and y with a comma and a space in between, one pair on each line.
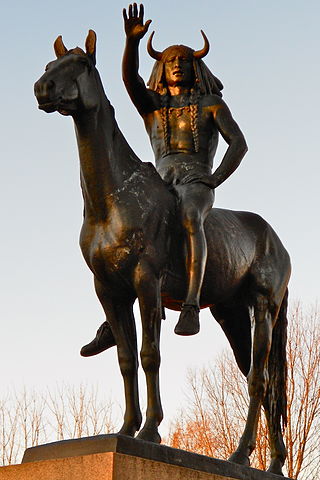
79, 411
303, 429
29, 418
8, 433
214, 418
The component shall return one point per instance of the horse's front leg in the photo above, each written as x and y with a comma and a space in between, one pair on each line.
257, 378
119, 312
148, 291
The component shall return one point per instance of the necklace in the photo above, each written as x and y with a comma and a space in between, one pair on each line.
179, 110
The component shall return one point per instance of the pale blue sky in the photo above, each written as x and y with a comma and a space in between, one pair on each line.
267, 56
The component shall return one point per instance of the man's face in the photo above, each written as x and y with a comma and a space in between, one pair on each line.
178, 67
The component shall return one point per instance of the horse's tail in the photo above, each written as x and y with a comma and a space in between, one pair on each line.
276, 397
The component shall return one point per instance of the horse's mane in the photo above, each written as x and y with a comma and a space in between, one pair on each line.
77, 51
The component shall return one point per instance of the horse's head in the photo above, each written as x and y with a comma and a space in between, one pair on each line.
68, 84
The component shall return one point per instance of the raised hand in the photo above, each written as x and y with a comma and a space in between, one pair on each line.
133, 22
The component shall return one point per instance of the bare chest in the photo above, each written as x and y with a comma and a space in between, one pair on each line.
177, 128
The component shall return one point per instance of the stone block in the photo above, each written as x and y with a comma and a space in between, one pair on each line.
117, 457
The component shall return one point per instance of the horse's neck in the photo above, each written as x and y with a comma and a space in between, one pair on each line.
106, 159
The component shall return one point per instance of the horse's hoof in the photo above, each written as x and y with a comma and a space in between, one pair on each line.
239, 458
188, 323
149, 435
128, 433
275, 468
276, 472
128, 430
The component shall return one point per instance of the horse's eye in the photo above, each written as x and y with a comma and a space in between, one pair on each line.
84, 61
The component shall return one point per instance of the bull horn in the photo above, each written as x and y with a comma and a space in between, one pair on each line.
59, 47
152, 52
202, 53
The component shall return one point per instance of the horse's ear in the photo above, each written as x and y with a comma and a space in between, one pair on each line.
59, 47
91, 45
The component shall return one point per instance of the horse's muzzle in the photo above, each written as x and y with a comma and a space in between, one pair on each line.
45, 93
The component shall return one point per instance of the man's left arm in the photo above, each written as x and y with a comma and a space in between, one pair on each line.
237, 146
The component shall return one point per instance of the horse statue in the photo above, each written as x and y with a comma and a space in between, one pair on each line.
134, 247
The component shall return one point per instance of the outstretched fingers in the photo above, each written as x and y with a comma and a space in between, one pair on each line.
133, 13
141, 12
133, 22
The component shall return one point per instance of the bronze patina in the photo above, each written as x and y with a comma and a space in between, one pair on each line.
132, 243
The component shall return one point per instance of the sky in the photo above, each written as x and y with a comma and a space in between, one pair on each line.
267, 56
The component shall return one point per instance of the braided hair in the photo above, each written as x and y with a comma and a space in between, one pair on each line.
194, 113
164, 112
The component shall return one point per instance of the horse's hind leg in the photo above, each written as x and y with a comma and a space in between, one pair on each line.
257, 377
148, 291
235, 322
120, 315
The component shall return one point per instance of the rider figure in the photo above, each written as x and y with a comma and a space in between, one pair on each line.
183, 114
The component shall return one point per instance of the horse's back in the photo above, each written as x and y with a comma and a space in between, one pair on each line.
243, 252
244, 233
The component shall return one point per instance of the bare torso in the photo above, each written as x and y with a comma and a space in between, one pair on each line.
172, 138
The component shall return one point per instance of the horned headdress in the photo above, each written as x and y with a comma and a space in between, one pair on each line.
207, 83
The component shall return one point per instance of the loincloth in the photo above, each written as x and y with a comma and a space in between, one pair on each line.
184, 171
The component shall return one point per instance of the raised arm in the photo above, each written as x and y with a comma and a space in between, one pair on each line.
135, 29
232, 134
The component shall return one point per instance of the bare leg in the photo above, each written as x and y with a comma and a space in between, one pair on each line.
197, 259
196, 201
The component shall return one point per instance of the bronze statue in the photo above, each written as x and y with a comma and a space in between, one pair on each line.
132, 243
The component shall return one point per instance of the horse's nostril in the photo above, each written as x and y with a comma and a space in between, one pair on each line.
44, 88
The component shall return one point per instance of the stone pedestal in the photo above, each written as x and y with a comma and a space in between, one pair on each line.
116, 457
